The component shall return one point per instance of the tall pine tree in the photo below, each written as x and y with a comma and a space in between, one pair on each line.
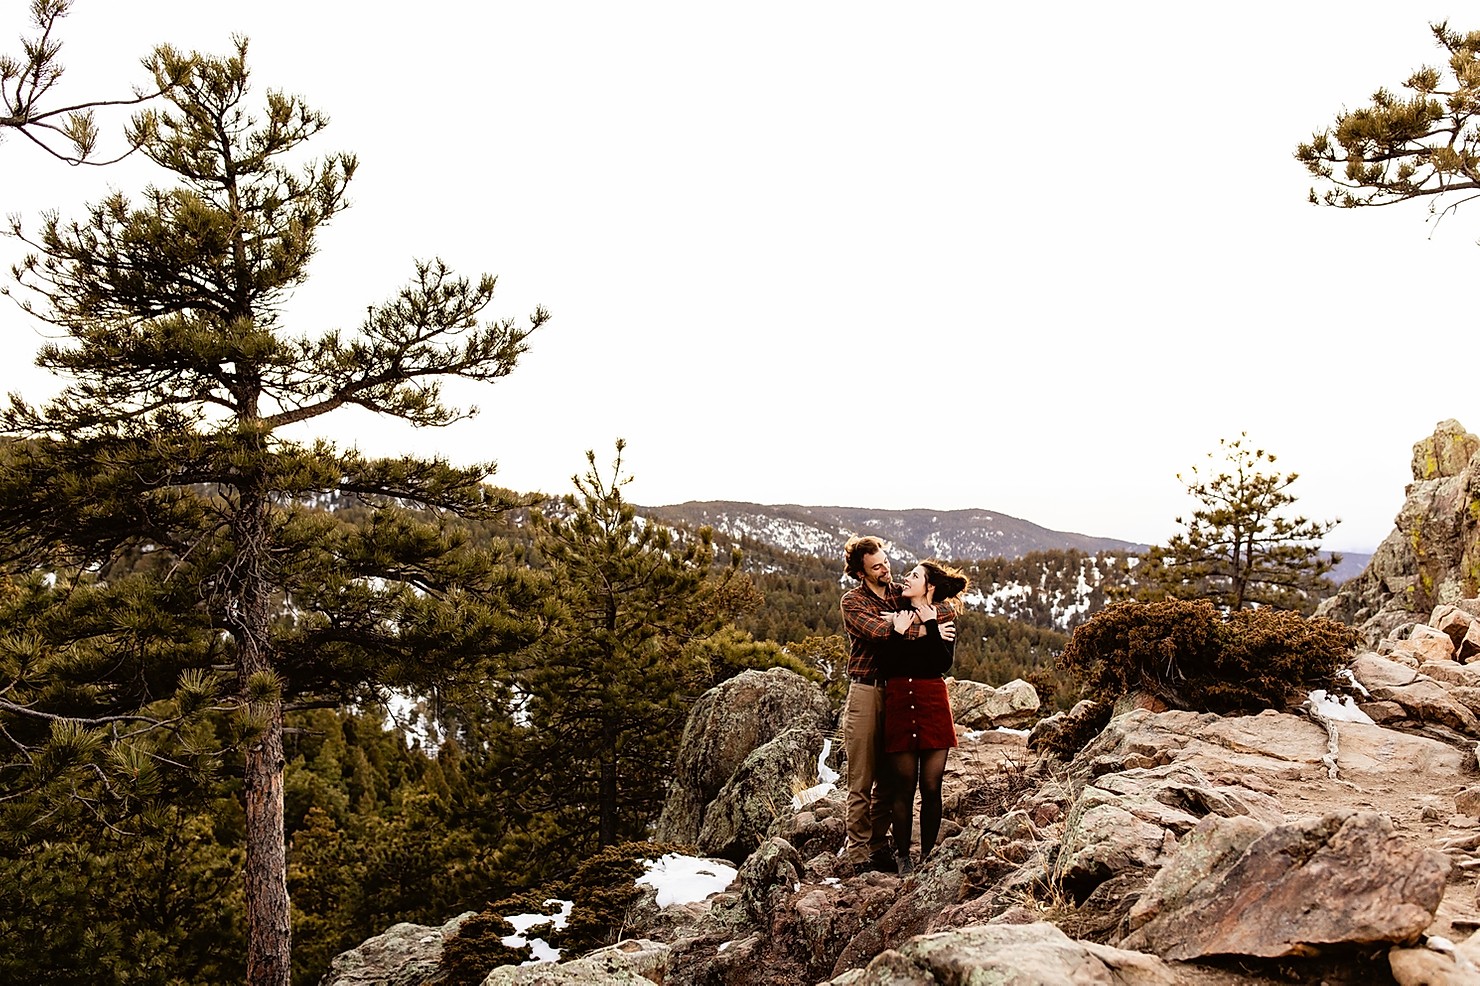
167, 441
608, 687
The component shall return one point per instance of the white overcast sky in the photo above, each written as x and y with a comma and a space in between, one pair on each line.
1034, 258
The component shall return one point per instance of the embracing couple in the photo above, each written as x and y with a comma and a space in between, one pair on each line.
897, 725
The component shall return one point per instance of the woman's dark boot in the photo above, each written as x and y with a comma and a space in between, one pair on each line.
902, 860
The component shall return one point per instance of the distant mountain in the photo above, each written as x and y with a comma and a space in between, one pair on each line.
1352, 564
916, 533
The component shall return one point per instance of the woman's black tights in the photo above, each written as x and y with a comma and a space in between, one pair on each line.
923, 769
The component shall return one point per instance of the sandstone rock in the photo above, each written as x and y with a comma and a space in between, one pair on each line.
1432, 556
1420, 696
1345, 878
1466, 695
634, 962
1206, 850
758, 792
1275, 746
1131, 819
1467, 802
980, 706
1434, 965
1445, 453
405, 955
1453, 621
1013, 955
726, 725
1383, 713
1428, 644
1452, 673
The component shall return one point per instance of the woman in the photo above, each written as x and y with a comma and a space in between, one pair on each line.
918, 728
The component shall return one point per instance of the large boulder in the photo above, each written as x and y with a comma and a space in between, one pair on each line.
1432, 557
727, 724
405, 955
1458, 622
1237, 887
980, 706
758, 793
1421, 697
1131, 819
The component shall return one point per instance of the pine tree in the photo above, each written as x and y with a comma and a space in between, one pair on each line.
1420, 145
168, 440
26, 84
1238, 548
610, 683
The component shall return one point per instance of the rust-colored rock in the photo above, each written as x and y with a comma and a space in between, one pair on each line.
1345, 878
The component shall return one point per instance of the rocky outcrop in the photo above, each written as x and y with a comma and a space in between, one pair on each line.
1132, 819
759, 791
1174, 845
405, 955
1421, 697
724, 732
1239, 887
1432, 557
980, 706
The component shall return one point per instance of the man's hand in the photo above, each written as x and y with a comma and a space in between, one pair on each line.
948, 631
902, 620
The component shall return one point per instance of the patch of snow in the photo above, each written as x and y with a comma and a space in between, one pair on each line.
685, 879
824, 772
538, 947
814, 793
1339, 708
1345, 674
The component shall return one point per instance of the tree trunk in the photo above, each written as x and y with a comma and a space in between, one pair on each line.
269, 934
607, 794
269, 929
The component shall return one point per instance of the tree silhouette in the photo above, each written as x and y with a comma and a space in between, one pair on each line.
1238, 548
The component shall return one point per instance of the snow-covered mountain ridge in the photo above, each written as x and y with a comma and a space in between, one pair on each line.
915, 533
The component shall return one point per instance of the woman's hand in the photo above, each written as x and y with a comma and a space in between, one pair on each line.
927, 612
902, 620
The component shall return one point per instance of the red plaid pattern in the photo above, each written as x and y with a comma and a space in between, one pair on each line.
868, 628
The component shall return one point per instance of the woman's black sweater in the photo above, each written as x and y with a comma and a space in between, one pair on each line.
929, 656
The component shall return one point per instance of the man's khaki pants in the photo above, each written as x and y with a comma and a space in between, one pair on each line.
868, 800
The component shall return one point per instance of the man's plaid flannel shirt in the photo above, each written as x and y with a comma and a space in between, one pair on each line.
868, 628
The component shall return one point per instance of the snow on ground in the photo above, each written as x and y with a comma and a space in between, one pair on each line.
826, 780
685, 879
538, 947
1339, 708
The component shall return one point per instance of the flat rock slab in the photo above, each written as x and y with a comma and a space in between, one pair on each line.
1278, 747
1345, 878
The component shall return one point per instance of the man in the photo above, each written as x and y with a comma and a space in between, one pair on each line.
868, 617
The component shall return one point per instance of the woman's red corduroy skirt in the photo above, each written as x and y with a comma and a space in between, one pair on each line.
917, 715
